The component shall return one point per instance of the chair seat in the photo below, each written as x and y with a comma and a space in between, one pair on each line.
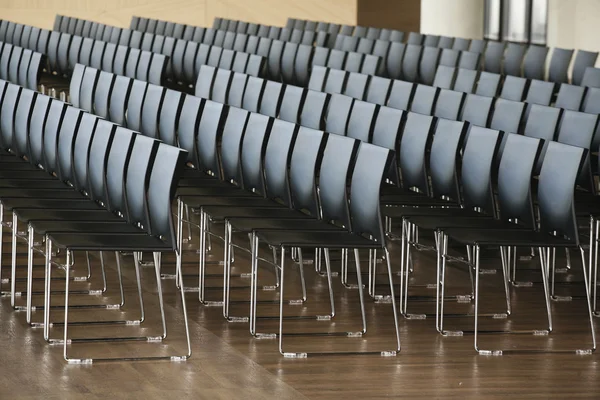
40, 193
31, 214
414, 200
116, 227
34, 184
215, 200
17, 166
453, 221
399, 212
520, 237
219, 213
37, 174
245, 224
316, 239
223, 189
101, 242
12, 203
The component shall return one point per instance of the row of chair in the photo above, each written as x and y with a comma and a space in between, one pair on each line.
83, 184
342, 115
63, 51
476, 135
20, 66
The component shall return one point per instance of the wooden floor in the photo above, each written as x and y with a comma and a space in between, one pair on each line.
227, 363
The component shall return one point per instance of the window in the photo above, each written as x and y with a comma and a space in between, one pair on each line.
521, 21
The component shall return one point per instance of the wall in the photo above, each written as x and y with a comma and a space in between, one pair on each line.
403, 15
574, 24
41, 13
458, 18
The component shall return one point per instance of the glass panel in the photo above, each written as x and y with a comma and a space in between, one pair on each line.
539, 17
492, 20
515, 24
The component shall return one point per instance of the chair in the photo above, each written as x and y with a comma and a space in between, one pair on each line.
570, 97
394, 60
494, 54
449, 57
338, 113
410, 62
430, 59
102, 94
356, 85
381, 48
365, 46
237, 89
534, 63
513, 59
424, 99
507, 116
478, 46
542, 123
583, 59
461, 44
488, 84
221, 85
119, 99
514, 88
370, 65
378, 90
591, 77
271, 99
292, 103
313, 110
401, 95
477, 110
302, 65
445, 42
253, 94
449, 104
539, 92
288, 61
559, 65
415, 39
337, 59
444, 77
470, 60
430, 40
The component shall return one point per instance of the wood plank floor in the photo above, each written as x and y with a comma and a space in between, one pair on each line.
227, 363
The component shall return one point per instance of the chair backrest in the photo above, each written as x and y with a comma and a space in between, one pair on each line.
36, 129
338, 113
168, 120
414, 144
430, 59
231, 143
542, 123
336, 166
66, 139
470, 60
117, 168
119, 99
188, 127
97, 160
102, 94
306, 157
51, 129
444, 77
559, 65
356, 85
394, 60
162, 184
8, 109
521, 154
591, 77
461, 44
514, 88
378, 90
336, 81
23, 113
556, 189
444, 158
313, 110
386, 133
254, 143
410, 62
570, 97
277, 160
271, 99
372, 162
81, 150
539, 92
478, 165
448, 104
465, 80
507, 115
208, 135
424, 99
477, 110
513, 59
362, 120
583, 59
401, 94
534, 62
153, 103
488, 84
494, 54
